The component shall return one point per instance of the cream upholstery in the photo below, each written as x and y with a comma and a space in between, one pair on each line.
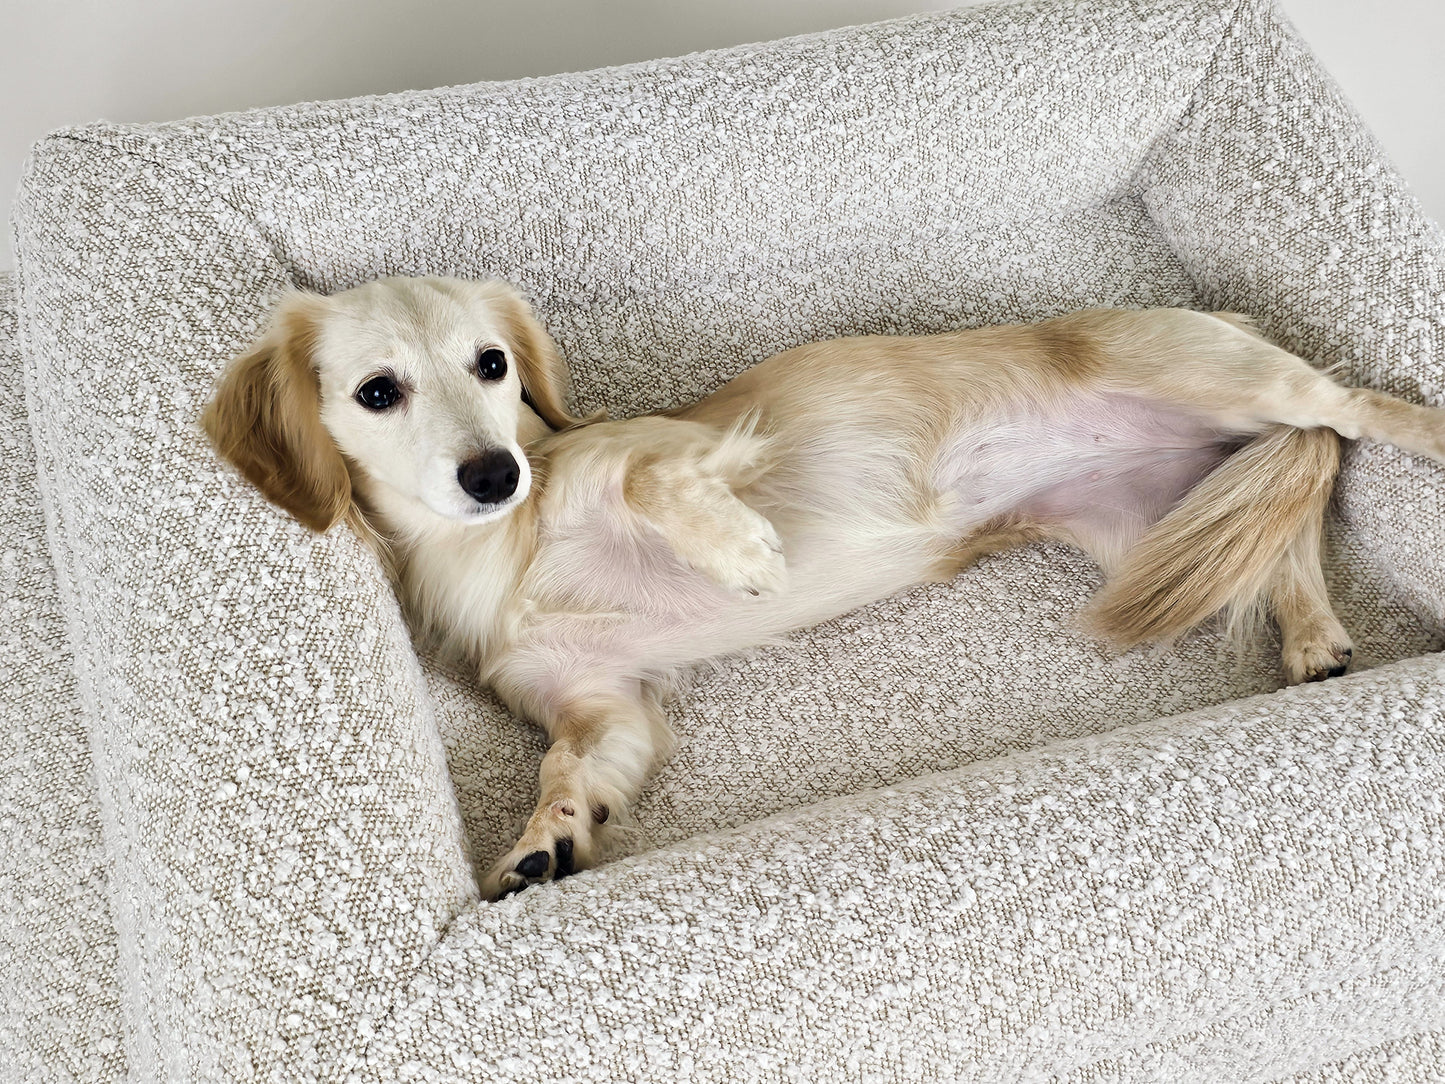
240, 812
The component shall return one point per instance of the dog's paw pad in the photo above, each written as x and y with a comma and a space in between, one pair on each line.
566, 861
534, 865
557, 843
524, 868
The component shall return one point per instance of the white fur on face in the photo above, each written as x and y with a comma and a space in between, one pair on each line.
425, 335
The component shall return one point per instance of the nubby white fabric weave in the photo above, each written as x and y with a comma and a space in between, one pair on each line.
947, 837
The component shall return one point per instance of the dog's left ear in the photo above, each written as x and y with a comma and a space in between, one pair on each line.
546, 383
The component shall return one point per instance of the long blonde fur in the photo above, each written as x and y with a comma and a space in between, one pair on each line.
1218, 549
583, 564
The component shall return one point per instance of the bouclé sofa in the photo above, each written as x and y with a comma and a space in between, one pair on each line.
950, 837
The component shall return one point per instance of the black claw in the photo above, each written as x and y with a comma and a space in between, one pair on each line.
512, 891
534, 865
565, 865
1345, 654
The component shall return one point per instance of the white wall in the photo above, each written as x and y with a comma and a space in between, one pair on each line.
70, 61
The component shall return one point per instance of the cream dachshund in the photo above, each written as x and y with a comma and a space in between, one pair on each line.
583, 564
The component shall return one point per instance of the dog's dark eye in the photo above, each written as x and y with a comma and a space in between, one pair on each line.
491, 364
378, 393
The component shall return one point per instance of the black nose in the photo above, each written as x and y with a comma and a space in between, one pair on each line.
491, 477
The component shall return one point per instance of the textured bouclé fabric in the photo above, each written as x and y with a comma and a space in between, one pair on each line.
59, 987
946, 837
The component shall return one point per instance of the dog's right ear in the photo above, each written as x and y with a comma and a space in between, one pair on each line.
266, 419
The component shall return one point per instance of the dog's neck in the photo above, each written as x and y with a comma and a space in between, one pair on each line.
456, 576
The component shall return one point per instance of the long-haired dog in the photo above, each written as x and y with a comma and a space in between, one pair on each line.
582, 564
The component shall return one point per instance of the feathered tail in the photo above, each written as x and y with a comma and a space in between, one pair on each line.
1218, 548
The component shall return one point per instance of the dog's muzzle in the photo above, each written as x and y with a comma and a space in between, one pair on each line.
491, 477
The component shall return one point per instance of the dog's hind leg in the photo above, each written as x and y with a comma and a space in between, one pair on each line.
1218, 364
1240, 538
1313, 643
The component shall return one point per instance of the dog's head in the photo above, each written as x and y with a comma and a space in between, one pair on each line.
420, 392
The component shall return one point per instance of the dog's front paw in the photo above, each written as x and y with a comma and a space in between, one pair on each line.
747, 556
1315, 660
556, 843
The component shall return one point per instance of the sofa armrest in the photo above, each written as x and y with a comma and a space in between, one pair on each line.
1333, 255
60, 994
1239, 893
283, 837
